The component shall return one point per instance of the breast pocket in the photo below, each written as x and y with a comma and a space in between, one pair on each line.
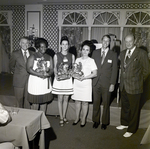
136, 63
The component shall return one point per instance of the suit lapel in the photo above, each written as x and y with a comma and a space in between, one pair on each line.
22, 58
134, 54
106, 57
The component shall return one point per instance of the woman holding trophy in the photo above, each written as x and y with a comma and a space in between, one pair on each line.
62, 85
83, 81
40, 67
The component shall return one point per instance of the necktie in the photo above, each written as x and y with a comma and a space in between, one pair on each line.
128, 56
103, 57
25, 56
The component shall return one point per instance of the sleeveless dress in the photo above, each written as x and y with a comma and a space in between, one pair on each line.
39, 89
83, 89
63, 87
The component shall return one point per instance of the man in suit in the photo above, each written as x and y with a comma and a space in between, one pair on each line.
20, 75
135, 68
104, 83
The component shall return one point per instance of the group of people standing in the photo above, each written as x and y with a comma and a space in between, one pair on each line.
32, 73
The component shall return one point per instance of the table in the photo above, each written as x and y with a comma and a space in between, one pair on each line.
24, 127
146, 137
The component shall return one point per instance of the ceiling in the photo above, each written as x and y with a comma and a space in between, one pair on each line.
24, 2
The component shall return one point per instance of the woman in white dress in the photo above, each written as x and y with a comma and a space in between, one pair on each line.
63, 87
83, 84
40, 67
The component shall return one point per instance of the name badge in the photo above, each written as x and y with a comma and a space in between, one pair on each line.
109, 61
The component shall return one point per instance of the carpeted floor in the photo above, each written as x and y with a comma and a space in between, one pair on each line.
75, 137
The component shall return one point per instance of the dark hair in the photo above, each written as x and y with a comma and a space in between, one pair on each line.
38, 41
64, 38
94, 41
88, 43
107, 37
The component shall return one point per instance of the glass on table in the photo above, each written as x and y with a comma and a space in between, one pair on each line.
14, 110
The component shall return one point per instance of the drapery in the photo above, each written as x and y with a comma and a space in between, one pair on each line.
78, 34
5, 49
98, 32
142, 36
4, 58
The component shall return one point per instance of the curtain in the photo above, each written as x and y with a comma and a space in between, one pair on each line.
4, 58
76, 36
98, 32
142, 35
4, 48
85, 33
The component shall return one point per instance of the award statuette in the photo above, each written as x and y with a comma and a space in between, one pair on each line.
64, 72
77, 70
42, 66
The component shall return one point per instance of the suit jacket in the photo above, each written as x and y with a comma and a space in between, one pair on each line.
107, 72
136, 71
18, 68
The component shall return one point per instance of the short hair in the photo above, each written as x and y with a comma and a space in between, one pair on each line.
38, 41
132, 35
64, 38
108, 36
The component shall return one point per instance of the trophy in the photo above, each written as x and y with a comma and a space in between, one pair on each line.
42, 66
64, 72
77, 70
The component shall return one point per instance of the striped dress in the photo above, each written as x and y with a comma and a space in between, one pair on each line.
63, 87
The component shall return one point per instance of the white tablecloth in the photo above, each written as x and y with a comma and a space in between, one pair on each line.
146, 137
24, 127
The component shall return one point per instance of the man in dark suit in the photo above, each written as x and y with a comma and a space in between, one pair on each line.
104, 83
20, 75
135, 68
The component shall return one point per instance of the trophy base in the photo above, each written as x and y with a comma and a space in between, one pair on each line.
63, 77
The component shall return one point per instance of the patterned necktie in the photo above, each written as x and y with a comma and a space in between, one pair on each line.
103, 57
25, 56
128, 56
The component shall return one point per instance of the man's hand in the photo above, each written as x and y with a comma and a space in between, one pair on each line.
111, 88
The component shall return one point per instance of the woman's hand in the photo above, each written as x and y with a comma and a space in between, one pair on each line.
42, 75
81, 78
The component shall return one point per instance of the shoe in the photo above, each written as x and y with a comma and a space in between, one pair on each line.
121, 127
128, 134
103, 126
61, 122
75, 123
95, 125
82, 125
66, 121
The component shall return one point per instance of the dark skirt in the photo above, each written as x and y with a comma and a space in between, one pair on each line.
40, 99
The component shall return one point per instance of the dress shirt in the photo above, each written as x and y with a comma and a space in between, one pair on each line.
106, 50
27, 54
131, 51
